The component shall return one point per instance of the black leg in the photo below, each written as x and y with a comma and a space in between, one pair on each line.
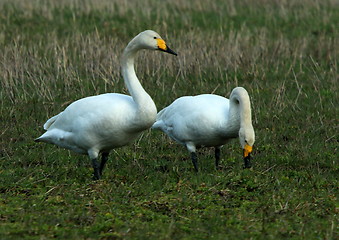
104, 158
195, 160
217, 157
96, 169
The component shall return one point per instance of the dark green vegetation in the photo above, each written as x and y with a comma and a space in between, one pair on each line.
285, 55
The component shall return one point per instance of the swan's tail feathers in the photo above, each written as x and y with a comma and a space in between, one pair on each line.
47, 137
159, 115
51, 121
158, 125
42, 138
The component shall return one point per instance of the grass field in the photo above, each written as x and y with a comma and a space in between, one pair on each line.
284, 53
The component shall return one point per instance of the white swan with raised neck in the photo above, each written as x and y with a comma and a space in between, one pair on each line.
97, 124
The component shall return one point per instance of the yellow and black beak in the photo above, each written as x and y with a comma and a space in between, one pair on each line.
247, 156
163, 47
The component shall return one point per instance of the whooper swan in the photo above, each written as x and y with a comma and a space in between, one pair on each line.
209, 120
97, 124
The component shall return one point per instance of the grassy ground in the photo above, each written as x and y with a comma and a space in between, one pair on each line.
284, 53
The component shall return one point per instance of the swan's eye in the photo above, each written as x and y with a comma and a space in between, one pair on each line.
155, 37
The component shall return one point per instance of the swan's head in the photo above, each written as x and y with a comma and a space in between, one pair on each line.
151, 40
247, 139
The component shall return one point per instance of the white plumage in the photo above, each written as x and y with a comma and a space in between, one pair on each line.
209, 120
97, 124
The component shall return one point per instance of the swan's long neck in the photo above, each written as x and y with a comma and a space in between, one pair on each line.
131, 80
240, 110
145, 106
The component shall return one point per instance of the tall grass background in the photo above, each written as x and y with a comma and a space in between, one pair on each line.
283, 52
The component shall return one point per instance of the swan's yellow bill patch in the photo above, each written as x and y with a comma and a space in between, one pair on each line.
161, 44
247, 150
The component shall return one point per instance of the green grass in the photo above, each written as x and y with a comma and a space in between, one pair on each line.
284, 53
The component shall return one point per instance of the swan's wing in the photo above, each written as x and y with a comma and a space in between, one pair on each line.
167, 116
101, 111
193, 118
90, 121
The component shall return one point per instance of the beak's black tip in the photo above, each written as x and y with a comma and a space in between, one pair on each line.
170, 51
247, 162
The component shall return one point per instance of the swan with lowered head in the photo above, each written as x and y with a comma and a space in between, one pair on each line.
209, 120
97, 124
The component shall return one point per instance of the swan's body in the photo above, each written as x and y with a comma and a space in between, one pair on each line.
97, 124
209, 120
